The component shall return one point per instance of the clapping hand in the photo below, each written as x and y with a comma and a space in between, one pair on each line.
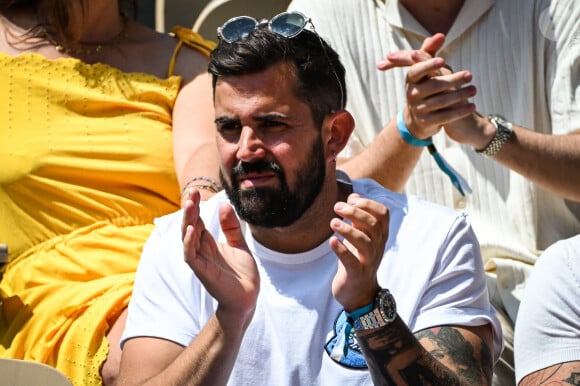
361, 252
227, 270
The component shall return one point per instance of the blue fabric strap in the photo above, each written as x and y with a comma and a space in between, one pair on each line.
350, 318
406, 134
456, 179
459, 182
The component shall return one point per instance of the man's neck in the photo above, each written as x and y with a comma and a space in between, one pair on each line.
435, 16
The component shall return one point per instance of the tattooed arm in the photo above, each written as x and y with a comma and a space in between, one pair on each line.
446, 355
561, 374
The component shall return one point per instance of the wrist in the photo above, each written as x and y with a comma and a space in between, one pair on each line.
359, 299
383, 312
406, 133
487, 130
234, 317
503, 132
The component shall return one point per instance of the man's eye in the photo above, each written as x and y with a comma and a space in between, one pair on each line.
229, 128
273, 125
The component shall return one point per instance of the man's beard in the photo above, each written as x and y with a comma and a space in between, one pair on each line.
272, 207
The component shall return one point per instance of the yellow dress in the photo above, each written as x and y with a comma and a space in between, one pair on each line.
86, 164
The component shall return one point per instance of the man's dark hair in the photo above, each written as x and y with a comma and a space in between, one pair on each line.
318, 68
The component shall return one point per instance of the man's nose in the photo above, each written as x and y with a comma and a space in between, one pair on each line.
250, 145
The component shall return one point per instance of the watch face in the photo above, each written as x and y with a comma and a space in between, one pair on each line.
499, 118
501, 122
387, 306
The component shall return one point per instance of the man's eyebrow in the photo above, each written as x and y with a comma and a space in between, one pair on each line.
257, 117
271, 117
225, 120
277, 117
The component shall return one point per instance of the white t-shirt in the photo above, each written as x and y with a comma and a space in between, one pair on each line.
548, 327
432, 265
523, 55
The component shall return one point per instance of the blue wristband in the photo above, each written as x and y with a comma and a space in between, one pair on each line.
459, 182
406, 134
350, 318
355, 314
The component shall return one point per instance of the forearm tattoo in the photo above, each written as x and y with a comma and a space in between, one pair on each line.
562, 374
396, 357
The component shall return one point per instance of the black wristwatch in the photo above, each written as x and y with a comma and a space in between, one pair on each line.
383, 313
503, 132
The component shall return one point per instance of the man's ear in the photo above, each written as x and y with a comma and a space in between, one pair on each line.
341, 126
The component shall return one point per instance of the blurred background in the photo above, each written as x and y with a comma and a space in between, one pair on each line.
204, 16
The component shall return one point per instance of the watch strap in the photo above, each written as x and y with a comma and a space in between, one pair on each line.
383, 313
503, 132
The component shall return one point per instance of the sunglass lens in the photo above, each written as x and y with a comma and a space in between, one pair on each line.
288, 24
237, 28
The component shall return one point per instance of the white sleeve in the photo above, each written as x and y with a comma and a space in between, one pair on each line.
547, 330
165, 300
457, 290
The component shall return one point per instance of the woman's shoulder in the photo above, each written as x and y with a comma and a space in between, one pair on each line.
154, 51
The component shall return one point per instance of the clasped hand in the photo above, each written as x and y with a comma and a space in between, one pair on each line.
438, 97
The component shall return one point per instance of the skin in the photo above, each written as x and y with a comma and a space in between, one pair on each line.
259, 119
194, 155
567, 373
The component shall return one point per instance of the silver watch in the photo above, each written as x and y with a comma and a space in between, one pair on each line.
383, 313
503, 132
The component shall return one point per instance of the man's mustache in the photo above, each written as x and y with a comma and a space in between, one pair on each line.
256, 167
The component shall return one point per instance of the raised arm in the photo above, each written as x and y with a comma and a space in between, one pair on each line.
446, 355
550, 161
431, 102
230, 275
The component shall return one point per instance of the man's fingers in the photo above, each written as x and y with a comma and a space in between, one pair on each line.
427, 68
442, 100
231, 227
190, 209
446, 115
439, 84
369, 229
364, 213
404, 58
433, 43
189, 247
348, 259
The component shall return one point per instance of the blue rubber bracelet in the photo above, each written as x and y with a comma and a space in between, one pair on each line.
406, 134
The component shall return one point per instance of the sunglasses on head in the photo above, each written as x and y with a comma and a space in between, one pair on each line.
287, 24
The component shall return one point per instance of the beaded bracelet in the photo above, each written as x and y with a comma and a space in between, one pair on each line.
214, 186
